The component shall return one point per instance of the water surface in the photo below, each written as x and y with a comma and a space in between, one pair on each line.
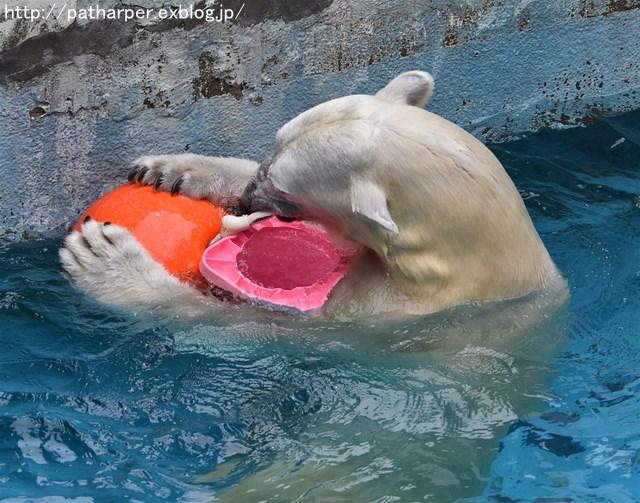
472, 404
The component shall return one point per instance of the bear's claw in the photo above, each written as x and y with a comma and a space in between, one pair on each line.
133, 173
141, 174
158, 181
175, 188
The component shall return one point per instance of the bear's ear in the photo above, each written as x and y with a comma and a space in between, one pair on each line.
369, 202
409, 88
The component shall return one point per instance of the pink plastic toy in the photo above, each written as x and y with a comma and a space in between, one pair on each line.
286, 264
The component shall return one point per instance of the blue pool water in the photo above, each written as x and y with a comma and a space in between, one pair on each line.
101, 405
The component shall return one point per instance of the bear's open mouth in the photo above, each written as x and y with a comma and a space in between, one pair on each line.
277, 205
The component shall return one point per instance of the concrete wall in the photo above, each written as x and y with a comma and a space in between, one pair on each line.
81, 97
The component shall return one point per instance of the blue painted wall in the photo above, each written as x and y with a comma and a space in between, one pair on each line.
79, 100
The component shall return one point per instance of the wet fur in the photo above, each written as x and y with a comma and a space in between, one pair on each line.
439, 220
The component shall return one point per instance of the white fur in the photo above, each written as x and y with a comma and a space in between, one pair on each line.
410, 88
440, 220
215, 178
445, 221
109, 264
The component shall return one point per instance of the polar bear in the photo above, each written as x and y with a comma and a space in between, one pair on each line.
436, 216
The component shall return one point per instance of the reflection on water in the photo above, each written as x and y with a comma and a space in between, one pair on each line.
481, 399
272, 407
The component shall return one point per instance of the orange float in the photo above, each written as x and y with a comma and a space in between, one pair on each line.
175, 230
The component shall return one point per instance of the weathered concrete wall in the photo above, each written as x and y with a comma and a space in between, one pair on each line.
80, 98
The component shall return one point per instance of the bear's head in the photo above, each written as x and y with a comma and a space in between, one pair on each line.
323, 167
427, 197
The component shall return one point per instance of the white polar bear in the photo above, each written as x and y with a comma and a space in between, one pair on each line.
437, 216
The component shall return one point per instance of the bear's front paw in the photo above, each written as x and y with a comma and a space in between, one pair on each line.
179, 174
107, 262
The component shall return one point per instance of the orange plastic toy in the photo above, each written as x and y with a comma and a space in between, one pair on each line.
175, 230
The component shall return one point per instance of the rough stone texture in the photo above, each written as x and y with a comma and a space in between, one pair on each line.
79, 99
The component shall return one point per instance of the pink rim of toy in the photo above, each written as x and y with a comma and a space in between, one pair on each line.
289, 264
